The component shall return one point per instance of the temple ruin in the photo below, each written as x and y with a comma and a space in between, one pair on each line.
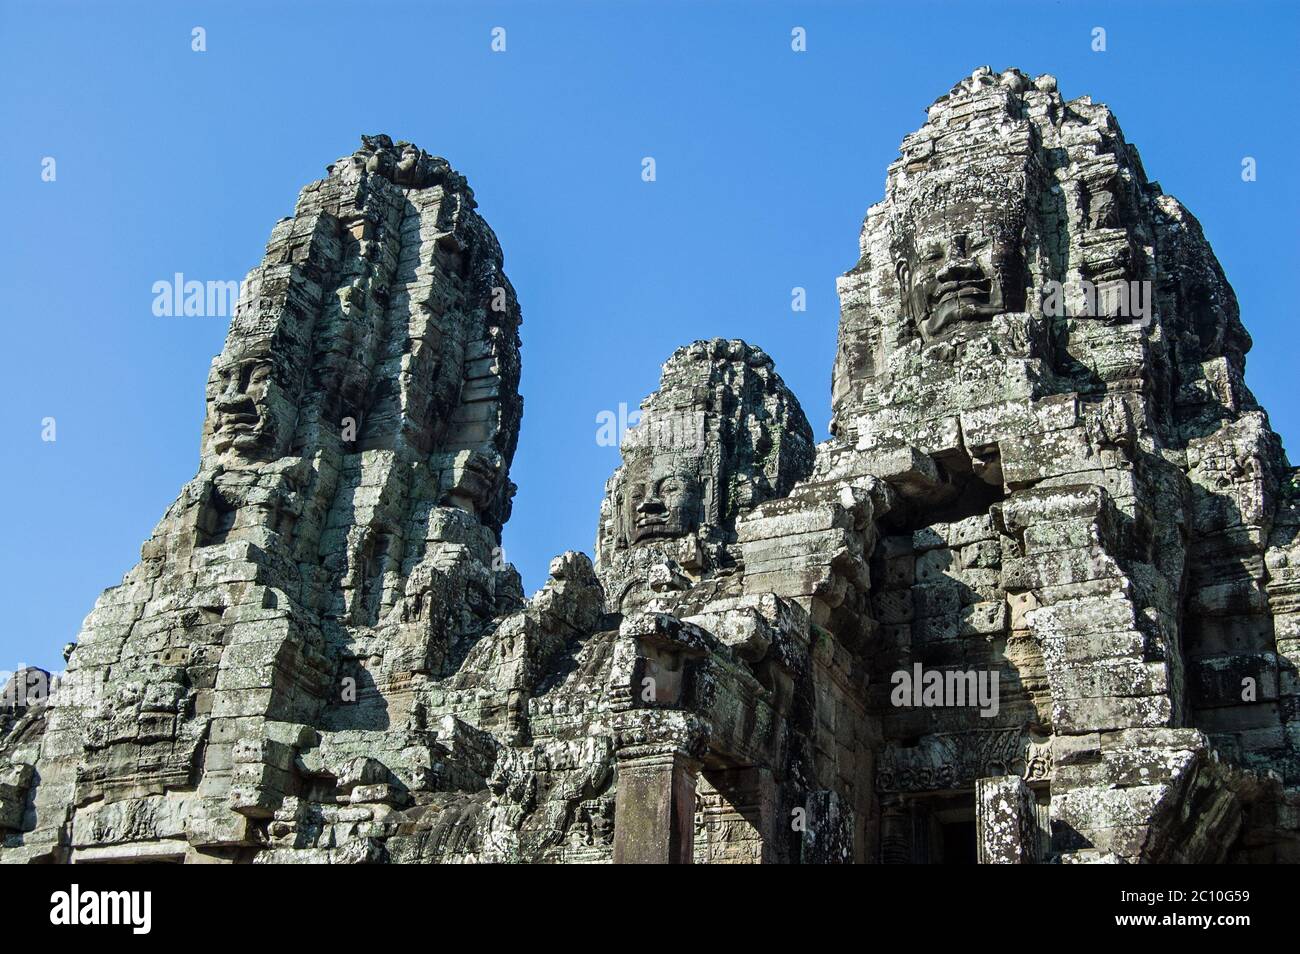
1046, 480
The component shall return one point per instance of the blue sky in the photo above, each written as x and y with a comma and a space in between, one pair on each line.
171, 161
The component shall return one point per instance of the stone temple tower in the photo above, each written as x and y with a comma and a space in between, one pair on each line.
338, 548
1041, 356
1037, 598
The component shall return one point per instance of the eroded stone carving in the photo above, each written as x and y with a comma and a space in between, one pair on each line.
720, 436
957, 246
1052, 520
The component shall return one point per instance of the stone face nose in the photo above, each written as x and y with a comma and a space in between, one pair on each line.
957, 268
231, 398
234, 402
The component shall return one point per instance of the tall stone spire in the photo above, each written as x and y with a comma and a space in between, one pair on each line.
1041, 356
338, 548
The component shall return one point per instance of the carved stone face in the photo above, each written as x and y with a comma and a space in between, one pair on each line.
662, 499
474, 477
243, 401
408, 167
961, 263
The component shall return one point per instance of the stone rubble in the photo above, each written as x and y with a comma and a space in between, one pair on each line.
323, 656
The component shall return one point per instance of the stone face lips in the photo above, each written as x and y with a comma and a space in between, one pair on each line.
1045, 476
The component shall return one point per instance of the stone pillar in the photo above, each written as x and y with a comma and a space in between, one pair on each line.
895, 832
654, 809
1006, 821
772, 825
828, 837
